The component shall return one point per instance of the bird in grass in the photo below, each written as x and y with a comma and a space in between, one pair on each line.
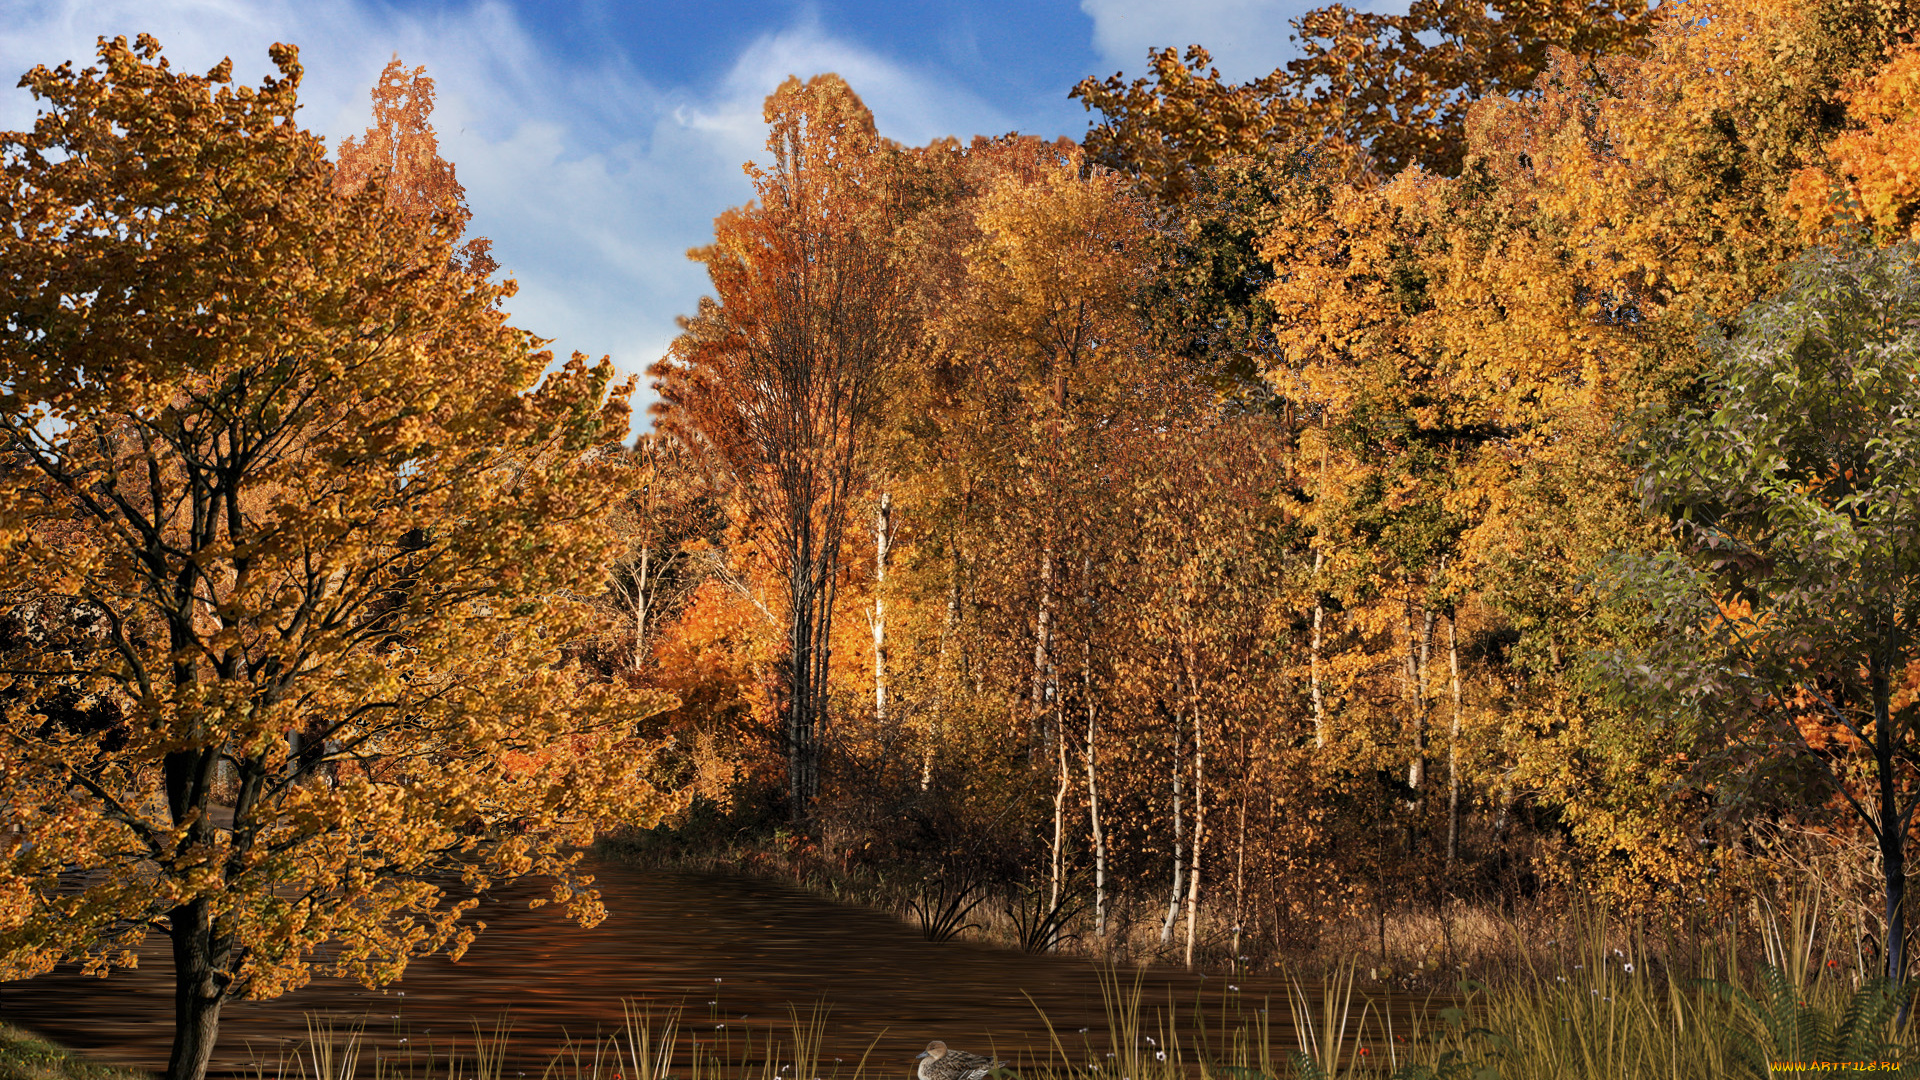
939, 1063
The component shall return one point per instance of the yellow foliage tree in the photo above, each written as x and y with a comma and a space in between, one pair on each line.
287, 546
402, 151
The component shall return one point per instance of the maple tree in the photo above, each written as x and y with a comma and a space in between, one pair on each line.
275, 470
1869, 178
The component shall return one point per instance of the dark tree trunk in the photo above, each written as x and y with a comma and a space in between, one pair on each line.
199, 988
806, 666
816, 554
1892, 830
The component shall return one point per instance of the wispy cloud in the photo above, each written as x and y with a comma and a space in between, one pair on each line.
592, 180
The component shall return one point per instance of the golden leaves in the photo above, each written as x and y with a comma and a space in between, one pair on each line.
297, 540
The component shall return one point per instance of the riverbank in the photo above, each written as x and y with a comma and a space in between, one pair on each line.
26, 1056
1556, 989
1402, 949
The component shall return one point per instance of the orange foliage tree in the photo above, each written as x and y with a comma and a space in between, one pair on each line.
776, 377
275, 467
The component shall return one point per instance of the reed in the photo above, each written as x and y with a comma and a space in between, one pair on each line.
1612, 1012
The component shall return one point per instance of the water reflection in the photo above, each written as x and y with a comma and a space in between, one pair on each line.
731, 952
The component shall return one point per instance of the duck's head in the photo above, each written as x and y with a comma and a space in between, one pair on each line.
935, 1050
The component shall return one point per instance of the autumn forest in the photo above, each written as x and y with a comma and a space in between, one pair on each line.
1468, 470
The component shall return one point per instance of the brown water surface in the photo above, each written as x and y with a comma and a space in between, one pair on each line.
730, 951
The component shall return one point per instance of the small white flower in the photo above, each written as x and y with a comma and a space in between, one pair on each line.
1159, 1055
1150, 1041
1627, 967
1233, 988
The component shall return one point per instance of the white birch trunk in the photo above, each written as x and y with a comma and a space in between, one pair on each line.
1453, 747
1179, 852
1240, 852
1059, 816
1199, 809
1093, 796
1042, 644
1418, 647
642, 600
1319, 613
882, 540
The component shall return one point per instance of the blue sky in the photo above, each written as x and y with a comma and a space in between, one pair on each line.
598, 139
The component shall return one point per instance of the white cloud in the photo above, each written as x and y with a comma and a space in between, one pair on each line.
1248, 38
911, 104
592, 181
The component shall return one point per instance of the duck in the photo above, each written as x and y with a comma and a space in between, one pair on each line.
939, 1063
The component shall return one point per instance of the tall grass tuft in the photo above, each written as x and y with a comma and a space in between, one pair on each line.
1331, 1045
1619, 1013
